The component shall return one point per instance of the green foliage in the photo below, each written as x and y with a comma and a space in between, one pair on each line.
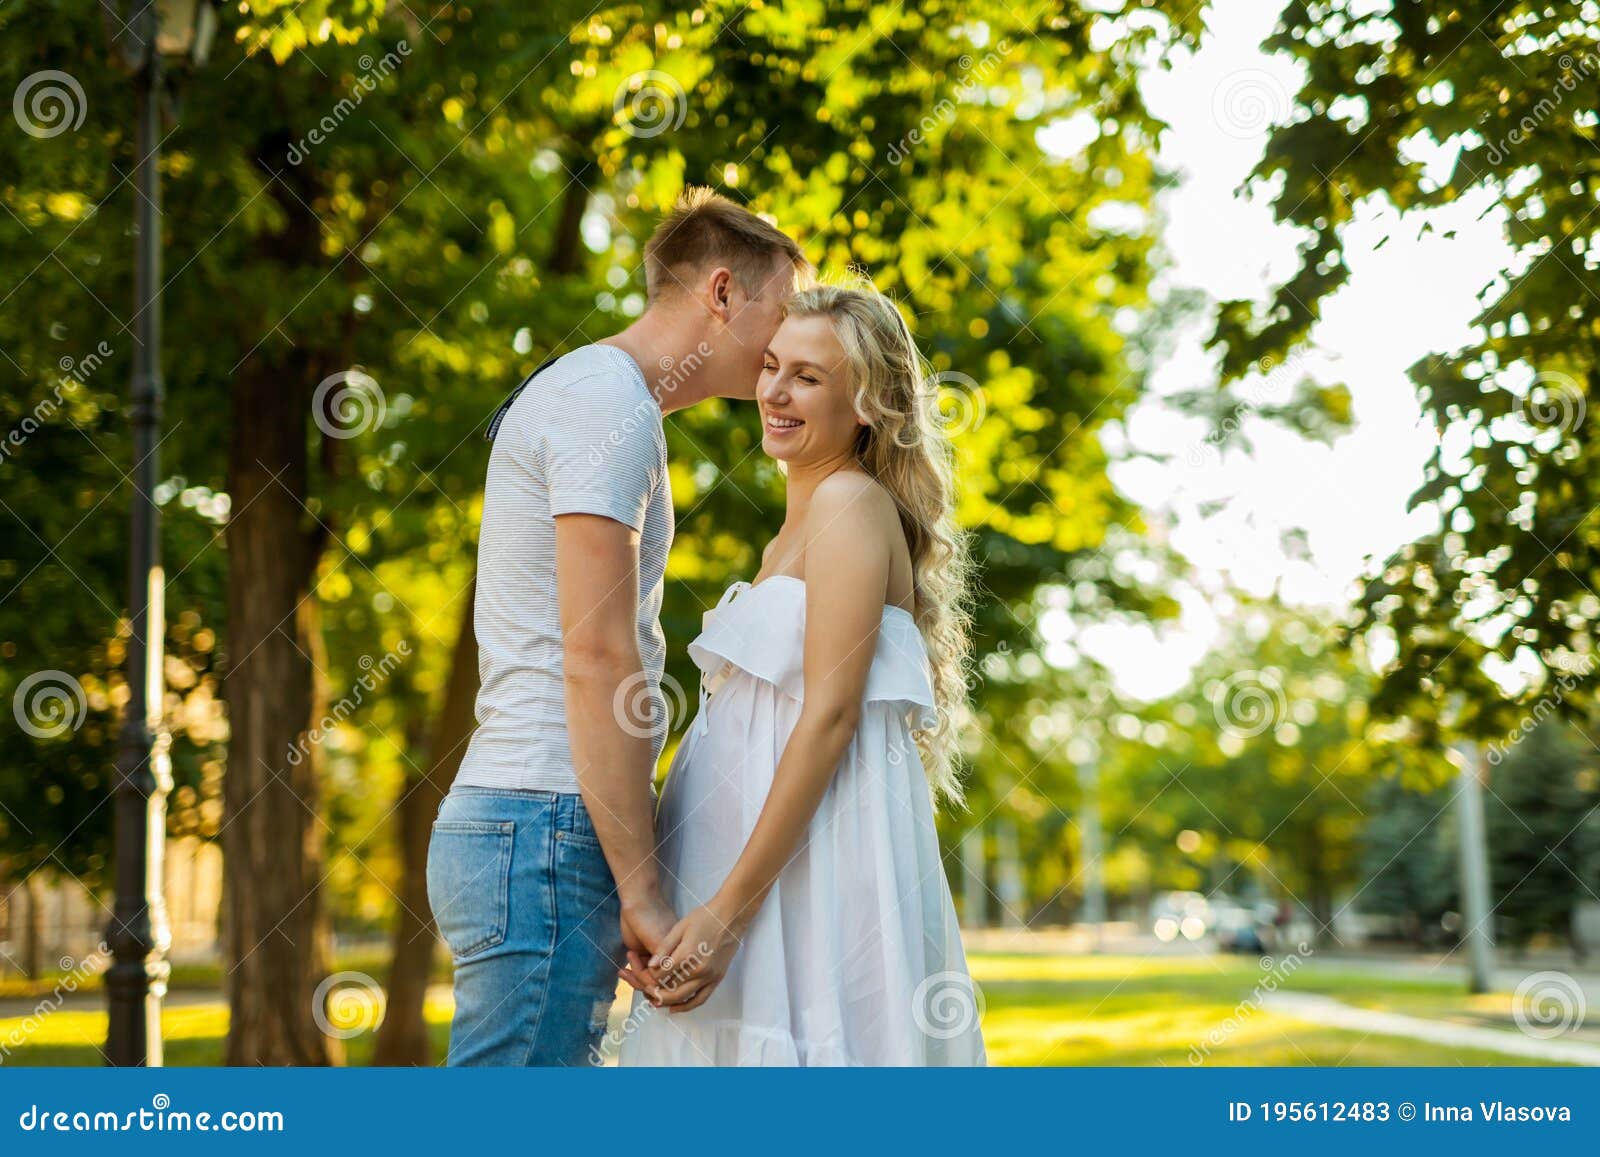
440, 200
1512, 567
1542, 835
1251, 781
1409, 863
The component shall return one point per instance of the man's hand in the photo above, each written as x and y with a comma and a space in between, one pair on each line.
694, 957
646, 921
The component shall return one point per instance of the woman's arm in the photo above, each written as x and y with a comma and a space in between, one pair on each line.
847, 561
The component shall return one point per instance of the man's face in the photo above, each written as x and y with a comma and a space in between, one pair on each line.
748, 329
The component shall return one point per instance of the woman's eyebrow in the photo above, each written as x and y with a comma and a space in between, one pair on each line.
798, 363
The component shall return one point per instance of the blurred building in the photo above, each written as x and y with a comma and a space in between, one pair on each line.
51, 916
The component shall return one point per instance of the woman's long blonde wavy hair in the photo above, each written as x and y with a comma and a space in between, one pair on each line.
904, 448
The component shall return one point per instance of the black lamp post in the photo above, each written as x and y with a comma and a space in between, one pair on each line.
144, 35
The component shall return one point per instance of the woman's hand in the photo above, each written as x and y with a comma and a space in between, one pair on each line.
693, 958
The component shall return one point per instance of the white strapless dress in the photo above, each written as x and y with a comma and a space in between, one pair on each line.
855, 957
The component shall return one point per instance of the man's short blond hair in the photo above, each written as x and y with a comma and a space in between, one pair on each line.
704, 230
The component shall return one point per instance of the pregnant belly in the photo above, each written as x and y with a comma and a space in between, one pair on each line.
720, 778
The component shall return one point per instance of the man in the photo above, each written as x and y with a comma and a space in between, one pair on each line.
541, 869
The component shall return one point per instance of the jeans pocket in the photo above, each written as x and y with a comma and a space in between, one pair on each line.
582, 830
469, 883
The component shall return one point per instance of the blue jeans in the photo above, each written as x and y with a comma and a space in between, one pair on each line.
523, 897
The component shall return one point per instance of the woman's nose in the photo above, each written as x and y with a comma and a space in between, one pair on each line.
772, 390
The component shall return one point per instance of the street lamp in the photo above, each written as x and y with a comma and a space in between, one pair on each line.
145, 34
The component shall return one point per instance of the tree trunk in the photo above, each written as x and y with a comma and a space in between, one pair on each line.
272, 832
403, 1038
33, 928
566, 254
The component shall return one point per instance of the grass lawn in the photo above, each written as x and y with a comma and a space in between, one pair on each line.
1039, 1010
1126, 1010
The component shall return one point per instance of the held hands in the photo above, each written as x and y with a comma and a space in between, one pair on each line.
694, 957
687, 963
646, 921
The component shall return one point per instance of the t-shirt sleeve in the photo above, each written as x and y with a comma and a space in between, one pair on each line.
600, 451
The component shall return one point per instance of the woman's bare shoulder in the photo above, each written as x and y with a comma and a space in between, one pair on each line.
854, 500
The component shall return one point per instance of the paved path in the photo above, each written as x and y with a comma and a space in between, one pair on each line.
13, 1006
1503, 977
1325, 1010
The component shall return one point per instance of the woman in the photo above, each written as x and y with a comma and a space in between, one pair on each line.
796, 826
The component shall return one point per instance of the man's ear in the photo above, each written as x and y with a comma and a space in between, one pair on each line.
720, 287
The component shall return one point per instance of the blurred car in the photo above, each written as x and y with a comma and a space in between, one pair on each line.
1238, 928
1175, 914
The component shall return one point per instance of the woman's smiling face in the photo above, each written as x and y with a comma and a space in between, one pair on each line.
804, 394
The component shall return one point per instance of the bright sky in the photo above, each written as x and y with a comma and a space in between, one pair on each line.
1413, 297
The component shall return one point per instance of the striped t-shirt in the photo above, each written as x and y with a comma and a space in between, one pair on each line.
584, 436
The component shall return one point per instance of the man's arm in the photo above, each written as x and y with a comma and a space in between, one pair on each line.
597, 582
